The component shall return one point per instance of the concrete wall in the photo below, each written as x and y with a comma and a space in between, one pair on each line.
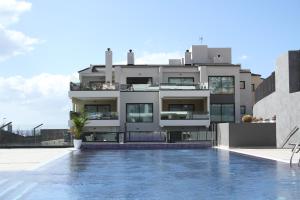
246, 94
281, 103
140, 97
247, 135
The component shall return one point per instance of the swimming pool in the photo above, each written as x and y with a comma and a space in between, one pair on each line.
154, 174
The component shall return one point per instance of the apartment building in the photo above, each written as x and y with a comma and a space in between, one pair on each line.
178, 100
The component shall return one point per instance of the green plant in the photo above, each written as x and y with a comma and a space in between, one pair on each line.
78, 123
247, 118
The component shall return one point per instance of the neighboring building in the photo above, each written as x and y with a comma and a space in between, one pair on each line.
278, 96
181, 98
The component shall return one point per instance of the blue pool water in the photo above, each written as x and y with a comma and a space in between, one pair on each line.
154, 174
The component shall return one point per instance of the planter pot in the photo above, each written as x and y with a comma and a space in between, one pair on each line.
77, 143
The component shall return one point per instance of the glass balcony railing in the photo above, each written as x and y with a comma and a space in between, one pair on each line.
93, 87
184, 115
136, 87
139, 87
97, 115
182, 86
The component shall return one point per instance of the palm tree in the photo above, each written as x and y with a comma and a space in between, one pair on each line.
78, 123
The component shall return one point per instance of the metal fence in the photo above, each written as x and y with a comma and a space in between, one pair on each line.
38, 139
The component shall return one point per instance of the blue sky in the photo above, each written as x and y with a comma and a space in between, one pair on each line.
44, 42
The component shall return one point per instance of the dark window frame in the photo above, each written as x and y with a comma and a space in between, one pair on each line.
222, 84
253, 87
222, 112
243, 106
137, 77
244, 85
139, 112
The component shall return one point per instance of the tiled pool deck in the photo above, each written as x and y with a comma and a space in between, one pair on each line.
281, 155
24, 159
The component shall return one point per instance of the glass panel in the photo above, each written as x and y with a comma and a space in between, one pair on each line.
133, 112
228, 113
215, 85
146, 111
174, 80
228, 85
90, 108
139, 113
215, 110
181, 80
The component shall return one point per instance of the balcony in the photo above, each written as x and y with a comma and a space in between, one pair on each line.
99, 118
79, 90
184, 118
184, 90
176, 86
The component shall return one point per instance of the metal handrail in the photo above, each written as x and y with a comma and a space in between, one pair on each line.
7, 124
293, 131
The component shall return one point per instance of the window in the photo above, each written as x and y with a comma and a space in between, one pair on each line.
242, 84
221, 84
253, 87
97, 108
222, 112
139, 112
139, 80
243, 110
181, 80
181, 107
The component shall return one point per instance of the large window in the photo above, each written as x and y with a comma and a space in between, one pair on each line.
181, 107
139, 80
181, 80
102, 108
222, 112
221, 84
139, 112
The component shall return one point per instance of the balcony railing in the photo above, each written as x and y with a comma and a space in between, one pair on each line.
184, 115
183, 86
139, 87
93, 87
97, 115
136, 87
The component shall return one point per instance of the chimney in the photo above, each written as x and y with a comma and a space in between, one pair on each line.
130, 57
108, 66
188, 57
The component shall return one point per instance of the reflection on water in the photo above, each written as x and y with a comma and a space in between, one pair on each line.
164, 174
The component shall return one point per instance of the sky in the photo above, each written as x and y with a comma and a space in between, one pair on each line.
44, 43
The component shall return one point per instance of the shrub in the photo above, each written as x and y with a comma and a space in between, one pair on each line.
247, 118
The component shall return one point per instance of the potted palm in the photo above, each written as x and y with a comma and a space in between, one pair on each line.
78, 123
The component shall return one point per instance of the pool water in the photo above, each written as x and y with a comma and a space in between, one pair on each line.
154, 174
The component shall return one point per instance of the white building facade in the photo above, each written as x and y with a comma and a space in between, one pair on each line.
173, 102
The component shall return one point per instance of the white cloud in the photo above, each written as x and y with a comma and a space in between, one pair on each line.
243, 57
14, 42
10, 10
155, 58
39, 99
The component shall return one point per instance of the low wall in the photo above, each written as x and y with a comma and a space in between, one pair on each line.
247, 135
